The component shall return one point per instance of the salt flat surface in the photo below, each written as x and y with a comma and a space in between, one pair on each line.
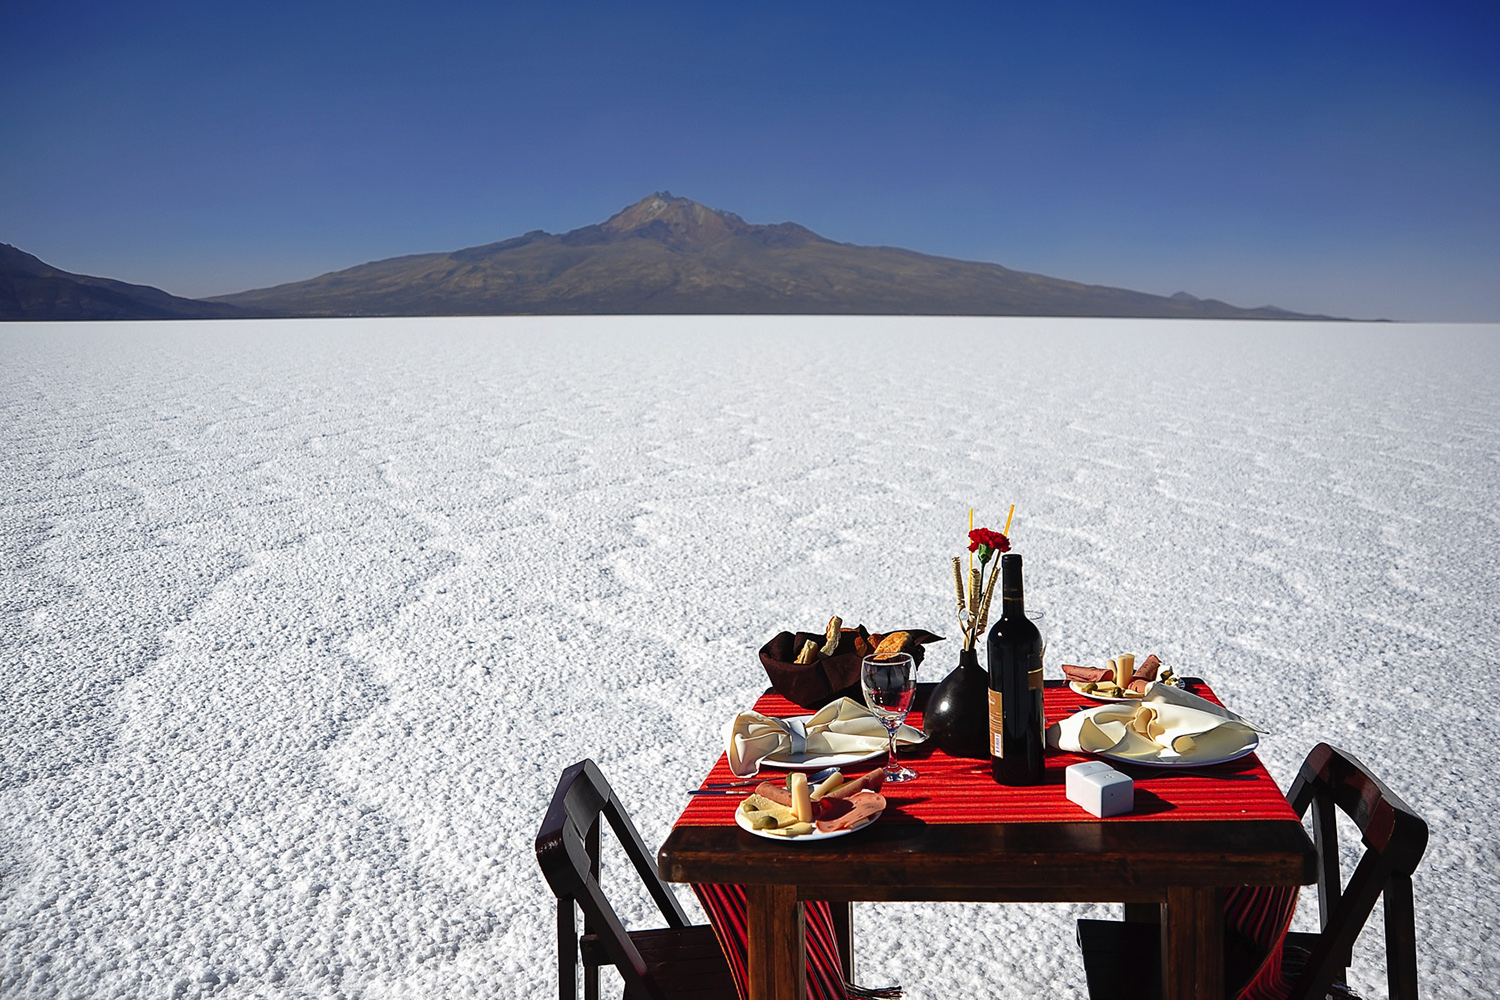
302, 619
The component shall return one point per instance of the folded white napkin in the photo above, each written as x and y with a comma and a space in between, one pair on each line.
1167, 724
842, 726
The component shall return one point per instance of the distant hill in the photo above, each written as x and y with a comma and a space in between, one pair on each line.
661, 255
671, 255
30, 289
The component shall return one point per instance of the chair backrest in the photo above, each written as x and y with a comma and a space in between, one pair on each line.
1394, 837
567, 849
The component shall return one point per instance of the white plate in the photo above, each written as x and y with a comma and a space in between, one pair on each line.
816, 835
1189, 761
816, 762
1077, 687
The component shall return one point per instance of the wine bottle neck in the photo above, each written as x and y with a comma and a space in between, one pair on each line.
1012, 591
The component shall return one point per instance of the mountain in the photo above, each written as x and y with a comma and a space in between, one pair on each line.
32, 290
672, 255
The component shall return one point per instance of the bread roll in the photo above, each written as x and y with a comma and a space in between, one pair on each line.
831, 635
896, 642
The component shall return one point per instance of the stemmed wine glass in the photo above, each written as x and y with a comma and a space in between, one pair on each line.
889, 683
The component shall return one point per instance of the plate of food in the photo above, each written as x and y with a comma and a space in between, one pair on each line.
1113, 681
797, 812
1159, 734
1105, 691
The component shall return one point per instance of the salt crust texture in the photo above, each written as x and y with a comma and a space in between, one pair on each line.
302, 619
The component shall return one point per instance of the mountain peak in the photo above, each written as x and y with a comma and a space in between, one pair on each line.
676, 220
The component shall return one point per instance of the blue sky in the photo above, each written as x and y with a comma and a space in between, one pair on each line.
1326, 157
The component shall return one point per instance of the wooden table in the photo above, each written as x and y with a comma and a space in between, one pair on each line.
1179, 866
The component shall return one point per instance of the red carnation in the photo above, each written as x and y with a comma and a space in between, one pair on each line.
987, 543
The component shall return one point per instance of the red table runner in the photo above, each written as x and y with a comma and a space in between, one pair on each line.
958, 790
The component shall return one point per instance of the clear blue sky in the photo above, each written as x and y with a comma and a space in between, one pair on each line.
1339, 157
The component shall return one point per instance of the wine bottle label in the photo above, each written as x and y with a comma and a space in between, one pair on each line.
997, 725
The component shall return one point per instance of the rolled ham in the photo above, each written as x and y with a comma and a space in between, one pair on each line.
871, 781
849, 813
776, 792
1140, 677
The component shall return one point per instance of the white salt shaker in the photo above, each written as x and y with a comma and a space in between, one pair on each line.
1100, 789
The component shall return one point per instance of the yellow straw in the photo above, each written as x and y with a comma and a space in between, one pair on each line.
971, 531
1007, 519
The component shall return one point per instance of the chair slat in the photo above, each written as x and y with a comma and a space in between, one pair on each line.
567, 950
627, 834
1329, 961
584, 808
1400, 937
1330, 888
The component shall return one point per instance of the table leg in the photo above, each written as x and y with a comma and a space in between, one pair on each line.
775, 943
1192, 943
843, 930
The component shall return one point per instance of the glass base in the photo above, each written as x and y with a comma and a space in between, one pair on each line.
900, 774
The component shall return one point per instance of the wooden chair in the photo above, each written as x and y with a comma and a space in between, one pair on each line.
1394, 839
677, 962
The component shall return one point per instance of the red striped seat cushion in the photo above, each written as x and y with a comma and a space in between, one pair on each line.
725, 905
1261, 915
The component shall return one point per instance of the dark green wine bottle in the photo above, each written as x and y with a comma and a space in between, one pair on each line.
1015, 658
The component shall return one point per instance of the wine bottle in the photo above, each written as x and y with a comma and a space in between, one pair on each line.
1015, 658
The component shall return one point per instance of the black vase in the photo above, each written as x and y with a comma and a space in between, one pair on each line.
957, 718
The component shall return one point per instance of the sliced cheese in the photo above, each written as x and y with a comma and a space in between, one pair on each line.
801, 797
756, 806
829, 783
795, 830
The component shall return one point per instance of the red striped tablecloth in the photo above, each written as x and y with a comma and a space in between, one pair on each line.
957, 790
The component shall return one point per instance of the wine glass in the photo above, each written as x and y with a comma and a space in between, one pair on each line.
1038, 618
889, 683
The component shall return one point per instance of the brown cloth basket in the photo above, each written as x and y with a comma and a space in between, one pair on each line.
815, 684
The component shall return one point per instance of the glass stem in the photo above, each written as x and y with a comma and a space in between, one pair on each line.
890, 755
